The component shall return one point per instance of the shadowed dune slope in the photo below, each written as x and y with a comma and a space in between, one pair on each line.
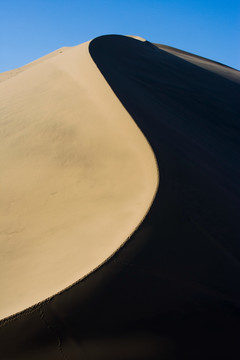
172, 291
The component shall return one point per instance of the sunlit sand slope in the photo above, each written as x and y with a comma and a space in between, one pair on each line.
77, 176
11, 73
172, 291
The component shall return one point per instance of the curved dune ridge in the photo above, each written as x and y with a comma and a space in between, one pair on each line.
84, 167
77, 176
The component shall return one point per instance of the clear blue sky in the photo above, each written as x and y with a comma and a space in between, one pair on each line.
32, 28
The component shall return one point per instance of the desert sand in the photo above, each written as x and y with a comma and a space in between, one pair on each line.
172, 290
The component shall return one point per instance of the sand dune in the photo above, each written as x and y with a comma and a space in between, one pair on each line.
171, 292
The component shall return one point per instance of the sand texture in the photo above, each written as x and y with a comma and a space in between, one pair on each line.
172, 291
77, 177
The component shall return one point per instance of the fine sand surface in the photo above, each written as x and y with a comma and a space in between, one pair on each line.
77, 176
172, 291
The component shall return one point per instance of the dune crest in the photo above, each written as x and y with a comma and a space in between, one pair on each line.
137, 37
210, 65
78, 177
